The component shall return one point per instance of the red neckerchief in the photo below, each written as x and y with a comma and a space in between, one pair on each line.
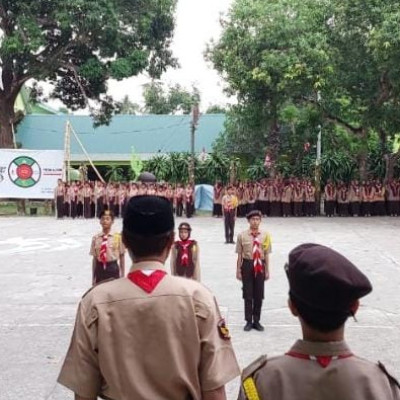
146, 282
343, 193
185, 254
330, 190
323, 361
257, 263
103, 250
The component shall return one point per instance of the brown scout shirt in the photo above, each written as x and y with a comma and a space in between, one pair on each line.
129, 344
115, 247
291, 378
244, 244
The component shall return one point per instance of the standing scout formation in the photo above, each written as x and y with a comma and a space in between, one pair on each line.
149, 335
295, 197
253, 247
325, 288
185, 258
88, 199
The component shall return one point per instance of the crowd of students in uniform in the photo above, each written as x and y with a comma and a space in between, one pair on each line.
84, 199
296, 197
273, 197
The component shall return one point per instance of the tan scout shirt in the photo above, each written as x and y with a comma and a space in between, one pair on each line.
115, 247
244, 244
289, 378
128, 344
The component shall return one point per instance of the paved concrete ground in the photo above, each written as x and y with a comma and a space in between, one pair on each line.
45, 268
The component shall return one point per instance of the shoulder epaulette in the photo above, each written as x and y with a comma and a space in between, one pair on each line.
391, 378
254, 366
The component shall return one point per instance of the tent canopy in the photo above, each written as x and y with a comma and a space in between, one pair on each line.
204, 197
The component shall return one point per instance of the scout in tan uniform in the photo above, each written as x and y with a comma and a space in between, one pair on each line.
229, 210
217, 199
59, 194
330, 198
185, 258
253, 247
286, 199
108, 251
149, 336
354, 198
325, 288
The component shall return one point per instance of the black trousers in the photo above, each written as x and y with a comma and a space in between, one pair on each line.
87, 211
329, 208
253, 291
101, 273
60, 206
189, 210
179, 208
99, 206
229, 222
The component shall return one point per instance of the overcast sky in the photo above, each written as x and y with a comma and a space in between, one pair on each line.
196, 23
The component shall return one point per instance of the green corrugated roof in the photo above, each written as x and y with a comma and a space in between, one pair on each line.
148, 134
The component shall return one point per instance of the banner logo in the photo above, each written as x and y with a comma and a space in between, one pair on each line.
24, 172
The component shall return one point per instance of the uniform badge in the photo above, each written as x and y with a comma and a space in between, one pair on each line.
223, 330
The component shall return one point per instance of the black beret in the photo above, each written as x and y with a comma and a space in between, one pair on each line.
148, 216
254, 213
321, 279
147, 177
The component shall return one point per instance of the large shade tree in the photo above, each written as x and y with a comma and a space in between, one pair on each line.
296, 64
78, 45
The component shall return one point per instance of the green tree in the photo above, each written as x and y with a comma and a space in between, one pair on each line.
78, 45
216, 109
333, 63
128, 107
169, 100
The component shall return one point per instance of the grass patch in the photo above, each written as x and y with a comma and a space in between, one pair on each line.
32, 208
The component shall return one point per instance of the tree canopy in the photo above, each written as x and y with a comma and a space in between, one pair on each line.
296, 64
78, 45
161, 99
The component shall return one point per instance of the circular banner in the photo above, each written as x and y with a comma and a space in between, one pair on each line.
24, 172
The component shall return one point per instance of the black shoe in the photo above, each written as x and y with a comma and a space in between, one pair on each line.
226, 242
258, 327
232, 242
248, 326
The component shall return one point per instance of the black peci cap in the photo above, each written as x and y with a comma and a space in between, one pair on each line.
322, 280
147, 177
148, 216
254, 213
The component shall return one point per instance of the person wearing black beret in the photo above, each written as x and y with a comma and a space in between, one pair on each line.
252, 268
324, 290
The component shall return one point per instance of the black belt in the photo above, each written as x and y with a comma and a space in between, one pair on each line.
108, 263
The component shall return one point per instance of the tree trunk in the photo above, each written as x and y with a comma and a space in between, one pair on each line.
6, 119
391, 161
363, 156
362, 165
273, 145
